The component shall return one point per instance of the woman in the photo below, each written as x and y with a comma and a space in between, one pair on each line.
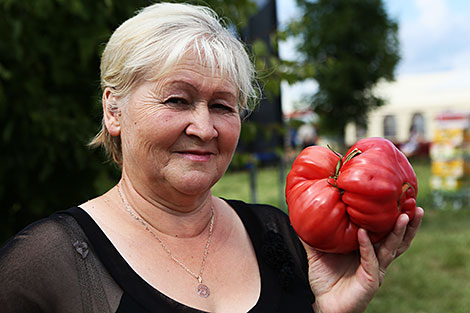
174, 84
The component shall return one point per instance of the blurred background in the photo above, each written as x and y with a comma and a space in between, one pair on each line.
332, 71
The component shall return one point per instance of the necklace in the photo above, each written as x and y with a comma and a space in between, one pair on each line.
201, 289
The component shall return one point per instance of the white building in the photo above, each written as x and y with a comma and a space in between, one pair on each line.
414, 100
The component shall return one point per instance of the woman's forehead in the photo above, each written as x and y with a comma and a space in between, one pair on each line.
193, 81
205, 61
192, 70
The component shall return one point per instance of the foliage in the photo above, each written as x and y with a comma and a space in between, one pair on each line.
351, 44
49, 101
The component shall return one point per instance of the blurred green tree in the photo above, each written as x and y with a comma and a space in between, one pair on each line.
50, 101
351, 45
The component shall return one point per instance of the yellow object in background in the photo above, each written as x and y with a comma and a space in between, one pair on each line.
450, 153
453, 136
456, 168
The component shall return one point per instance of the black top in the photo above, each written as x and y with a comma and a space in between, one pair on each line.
65, 263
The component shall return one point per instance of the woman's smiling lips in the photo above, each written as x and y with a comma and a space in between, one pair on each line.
197, 155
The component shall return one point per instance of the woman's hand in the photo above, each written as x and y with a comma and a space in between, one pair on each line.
348, 282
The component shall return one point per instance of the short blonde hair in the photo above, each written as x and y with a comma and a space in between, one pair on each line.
150, 44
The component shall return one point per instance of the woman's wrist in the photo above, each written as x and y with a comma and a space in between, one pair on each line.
330, 307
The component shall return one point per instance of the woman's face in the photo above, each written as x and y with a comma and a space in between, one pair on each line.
179, 133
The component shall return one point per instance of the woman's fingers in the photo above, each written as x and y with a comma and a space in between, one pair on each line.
369, 260
388, 250
397, 242
411, 230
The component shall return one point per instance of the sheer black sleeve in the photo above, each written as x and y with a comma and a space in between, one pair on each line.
50, 267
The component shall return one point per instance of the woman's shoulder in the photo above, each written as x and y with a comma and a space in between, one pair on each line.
42, 254
44, 250
44, 234
41, 242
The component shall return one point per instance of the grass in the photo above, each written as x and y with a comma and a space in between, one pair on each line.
236, 185
434, 274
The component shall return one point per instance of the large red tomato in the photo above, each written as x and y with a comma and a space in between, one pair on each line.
330, 197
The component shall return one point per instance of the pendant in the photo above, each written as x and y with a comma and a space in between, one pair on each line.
203, 291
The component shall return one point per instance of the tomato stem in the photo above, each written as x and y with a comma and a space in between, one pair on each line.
340, 164
333, 150
347, 158
404, 188
341, 191
352, 154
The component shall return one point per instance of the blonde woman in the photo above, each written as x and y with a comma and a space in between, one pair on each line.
174, 83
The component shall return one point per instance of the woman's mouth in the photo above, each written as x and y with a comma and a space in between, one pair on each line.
197, 155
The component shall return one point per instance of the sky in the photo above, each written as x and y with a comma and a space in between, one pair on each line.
434, 37
434, 34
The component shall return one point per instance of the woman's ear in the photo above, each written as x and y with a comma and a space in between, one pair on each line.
111, 112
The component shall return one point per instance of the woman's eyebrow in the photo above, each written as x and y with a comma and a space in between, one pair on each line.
226, 94
180, 82
195, 87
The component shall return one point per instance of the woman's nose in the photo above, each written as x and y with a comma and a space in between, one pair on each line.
201, 124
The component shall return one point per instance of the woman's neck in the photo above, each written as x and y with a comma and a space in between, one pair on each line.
186, 218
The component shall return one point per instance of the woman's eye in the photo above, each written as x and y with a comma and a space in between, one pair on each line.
222, 107
177, 101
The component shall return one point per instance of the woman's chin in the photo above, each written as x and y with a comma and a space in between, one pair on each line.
194, 185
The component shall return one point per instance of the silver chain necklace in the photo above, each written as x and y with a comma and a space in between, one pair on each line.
201, 289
